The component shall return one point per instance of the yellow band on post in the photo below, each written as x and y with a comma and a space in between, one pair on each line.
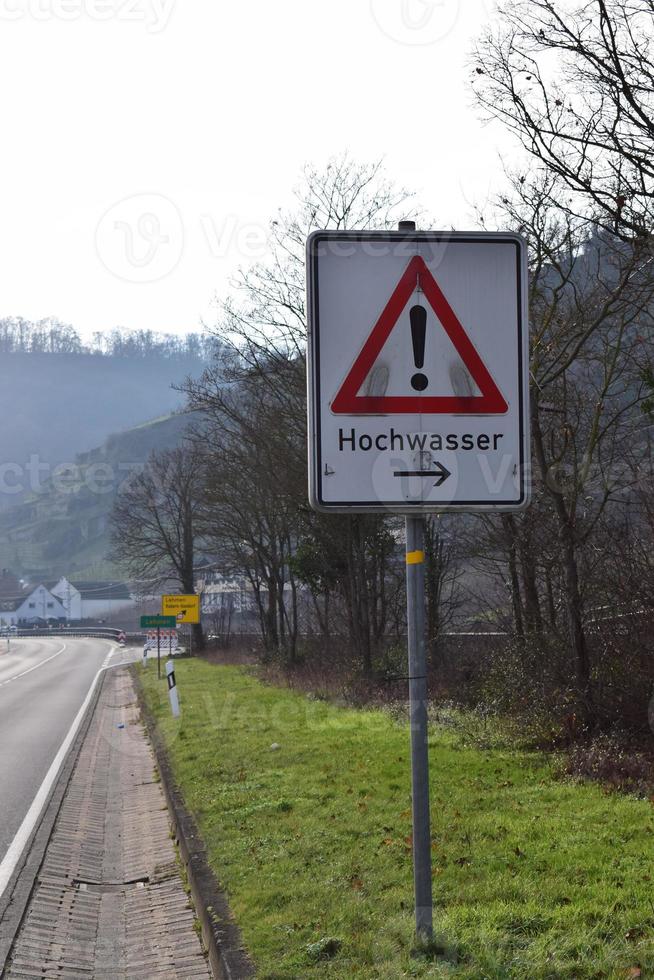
415, 557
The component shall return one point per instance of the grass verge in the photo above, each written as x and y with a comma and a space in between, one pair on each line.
305, 811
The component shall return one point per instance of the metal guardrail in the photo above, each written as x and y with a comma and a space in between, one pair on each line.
101, 632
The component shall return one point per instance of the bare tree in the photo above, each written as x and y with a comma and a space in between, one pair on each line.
154, 522
442, 576
266, 317
591, 303
351, 566
576, 86
253, 400
253, 481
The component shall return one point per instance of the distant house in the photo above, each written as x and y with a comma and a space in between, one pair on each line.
69, 597
218, 590
228, 598
30, 607
91, 600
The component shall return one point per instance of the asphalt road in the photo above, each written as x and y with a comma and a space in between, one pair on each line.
43, 683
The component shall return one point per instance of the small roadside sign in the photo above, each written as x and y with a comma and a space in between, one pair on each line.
158, 622
418, 371
184, 608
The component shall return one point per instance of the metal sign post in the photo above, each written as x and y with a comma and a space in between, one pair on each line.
418, 719
158, 653
415, 605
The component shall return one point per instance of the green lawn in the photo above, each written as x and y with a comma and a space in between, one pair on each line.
534, 877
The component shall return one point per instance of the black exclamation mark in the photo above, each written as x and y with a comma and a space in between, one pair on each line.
418, 318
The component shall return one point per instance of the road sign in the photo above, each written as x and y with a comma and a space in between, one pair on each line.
418, 364
158, 622
185, 608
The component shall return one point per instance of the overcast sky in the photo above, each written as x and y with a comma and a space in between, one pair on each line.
146, 143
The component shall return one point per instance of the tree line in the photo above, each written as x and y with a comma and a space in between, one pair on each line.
52, 336
569, 582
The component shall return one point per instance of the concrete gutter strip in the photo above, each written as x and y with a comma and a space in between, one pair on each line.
221, 935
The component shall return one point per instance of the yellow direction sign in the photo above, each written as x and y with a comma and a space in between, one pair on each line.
185, 608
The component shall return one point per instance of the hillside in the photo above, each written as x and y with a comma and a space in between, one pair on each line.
53, 406
64, 529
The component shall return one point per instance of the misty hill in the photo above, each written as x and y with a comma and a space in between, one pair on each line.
53, 406
64, 529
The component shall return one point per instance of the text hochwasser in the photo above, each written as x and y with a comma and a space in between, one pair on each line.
417, 441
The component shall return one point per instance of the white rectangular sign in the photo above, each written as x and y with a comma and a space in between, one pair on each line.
418, 371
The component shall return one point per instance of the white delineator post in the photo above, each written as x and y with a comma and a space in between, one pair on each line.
172, 688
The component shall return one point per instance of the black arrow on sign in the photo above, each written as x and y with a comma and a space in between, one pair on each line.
441, 472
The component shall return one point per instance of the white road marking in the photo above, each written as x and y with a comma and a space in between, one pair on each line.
34, 667
31, 818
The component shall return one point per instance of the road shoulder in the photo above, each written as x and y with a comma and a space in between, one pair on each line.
109, 900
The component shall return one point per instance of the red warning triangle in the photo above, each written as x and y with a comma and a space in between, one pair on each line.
349, 402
